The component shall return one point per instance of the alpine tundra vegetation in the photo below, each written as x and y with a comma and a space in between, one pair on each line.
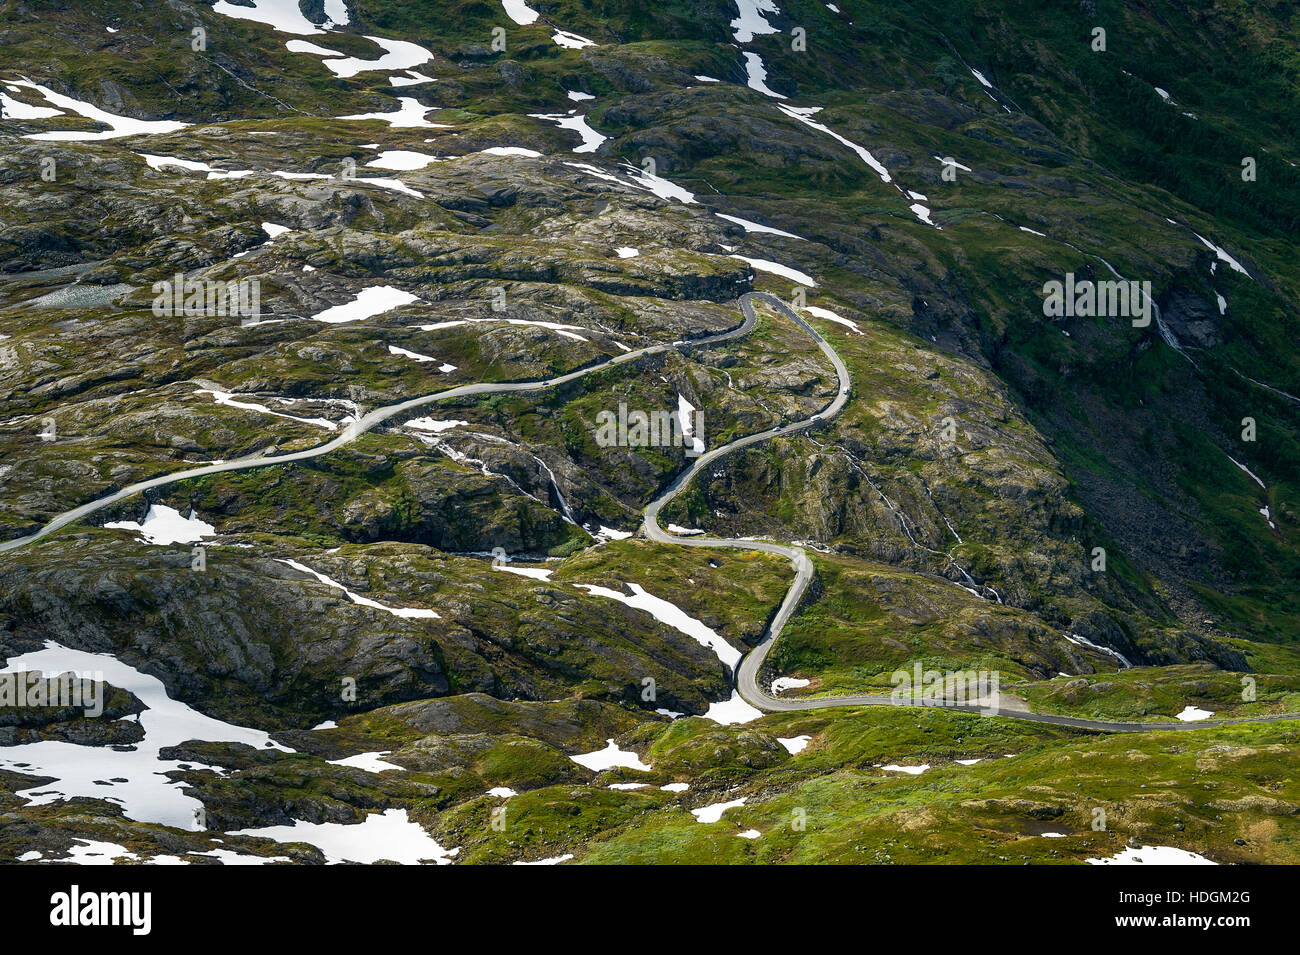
460, 431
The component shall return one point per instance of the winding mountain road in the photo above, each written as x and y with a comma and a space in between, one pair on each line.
356, 429
746, 676
751, 666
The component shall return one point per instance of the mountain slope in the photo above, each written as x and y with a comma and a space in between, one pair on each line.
422, 210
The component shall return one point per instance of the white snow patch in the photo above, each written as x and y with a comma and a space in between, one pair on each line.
16, 109
776, 268
923, 213
520, 12
230, 857
408, 612
658, 185
228, 399
825, 313
714, 812
783, 683
751, 21
599, 174
749, 834
537, 573
402, 160
910, 770
303, 46
756, 76
675, 787
300, 175
804, 114
119, 126
146, 795
398, 55
949, 161
1223, 255
732, 711
684, 531
591, 139
408, 115
444, 367
502, 792
794, 744
610, 757
386, 835
370, 762
686, 419
412, 78
1254, 477
164, 525
337, 11
434, 424
511, 151
565, 330
750, 226
282, 15
368, 303
1152, 855
571, 41
1191, 714
627, 252
673, 616
394, 184
554, 860
93, 852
